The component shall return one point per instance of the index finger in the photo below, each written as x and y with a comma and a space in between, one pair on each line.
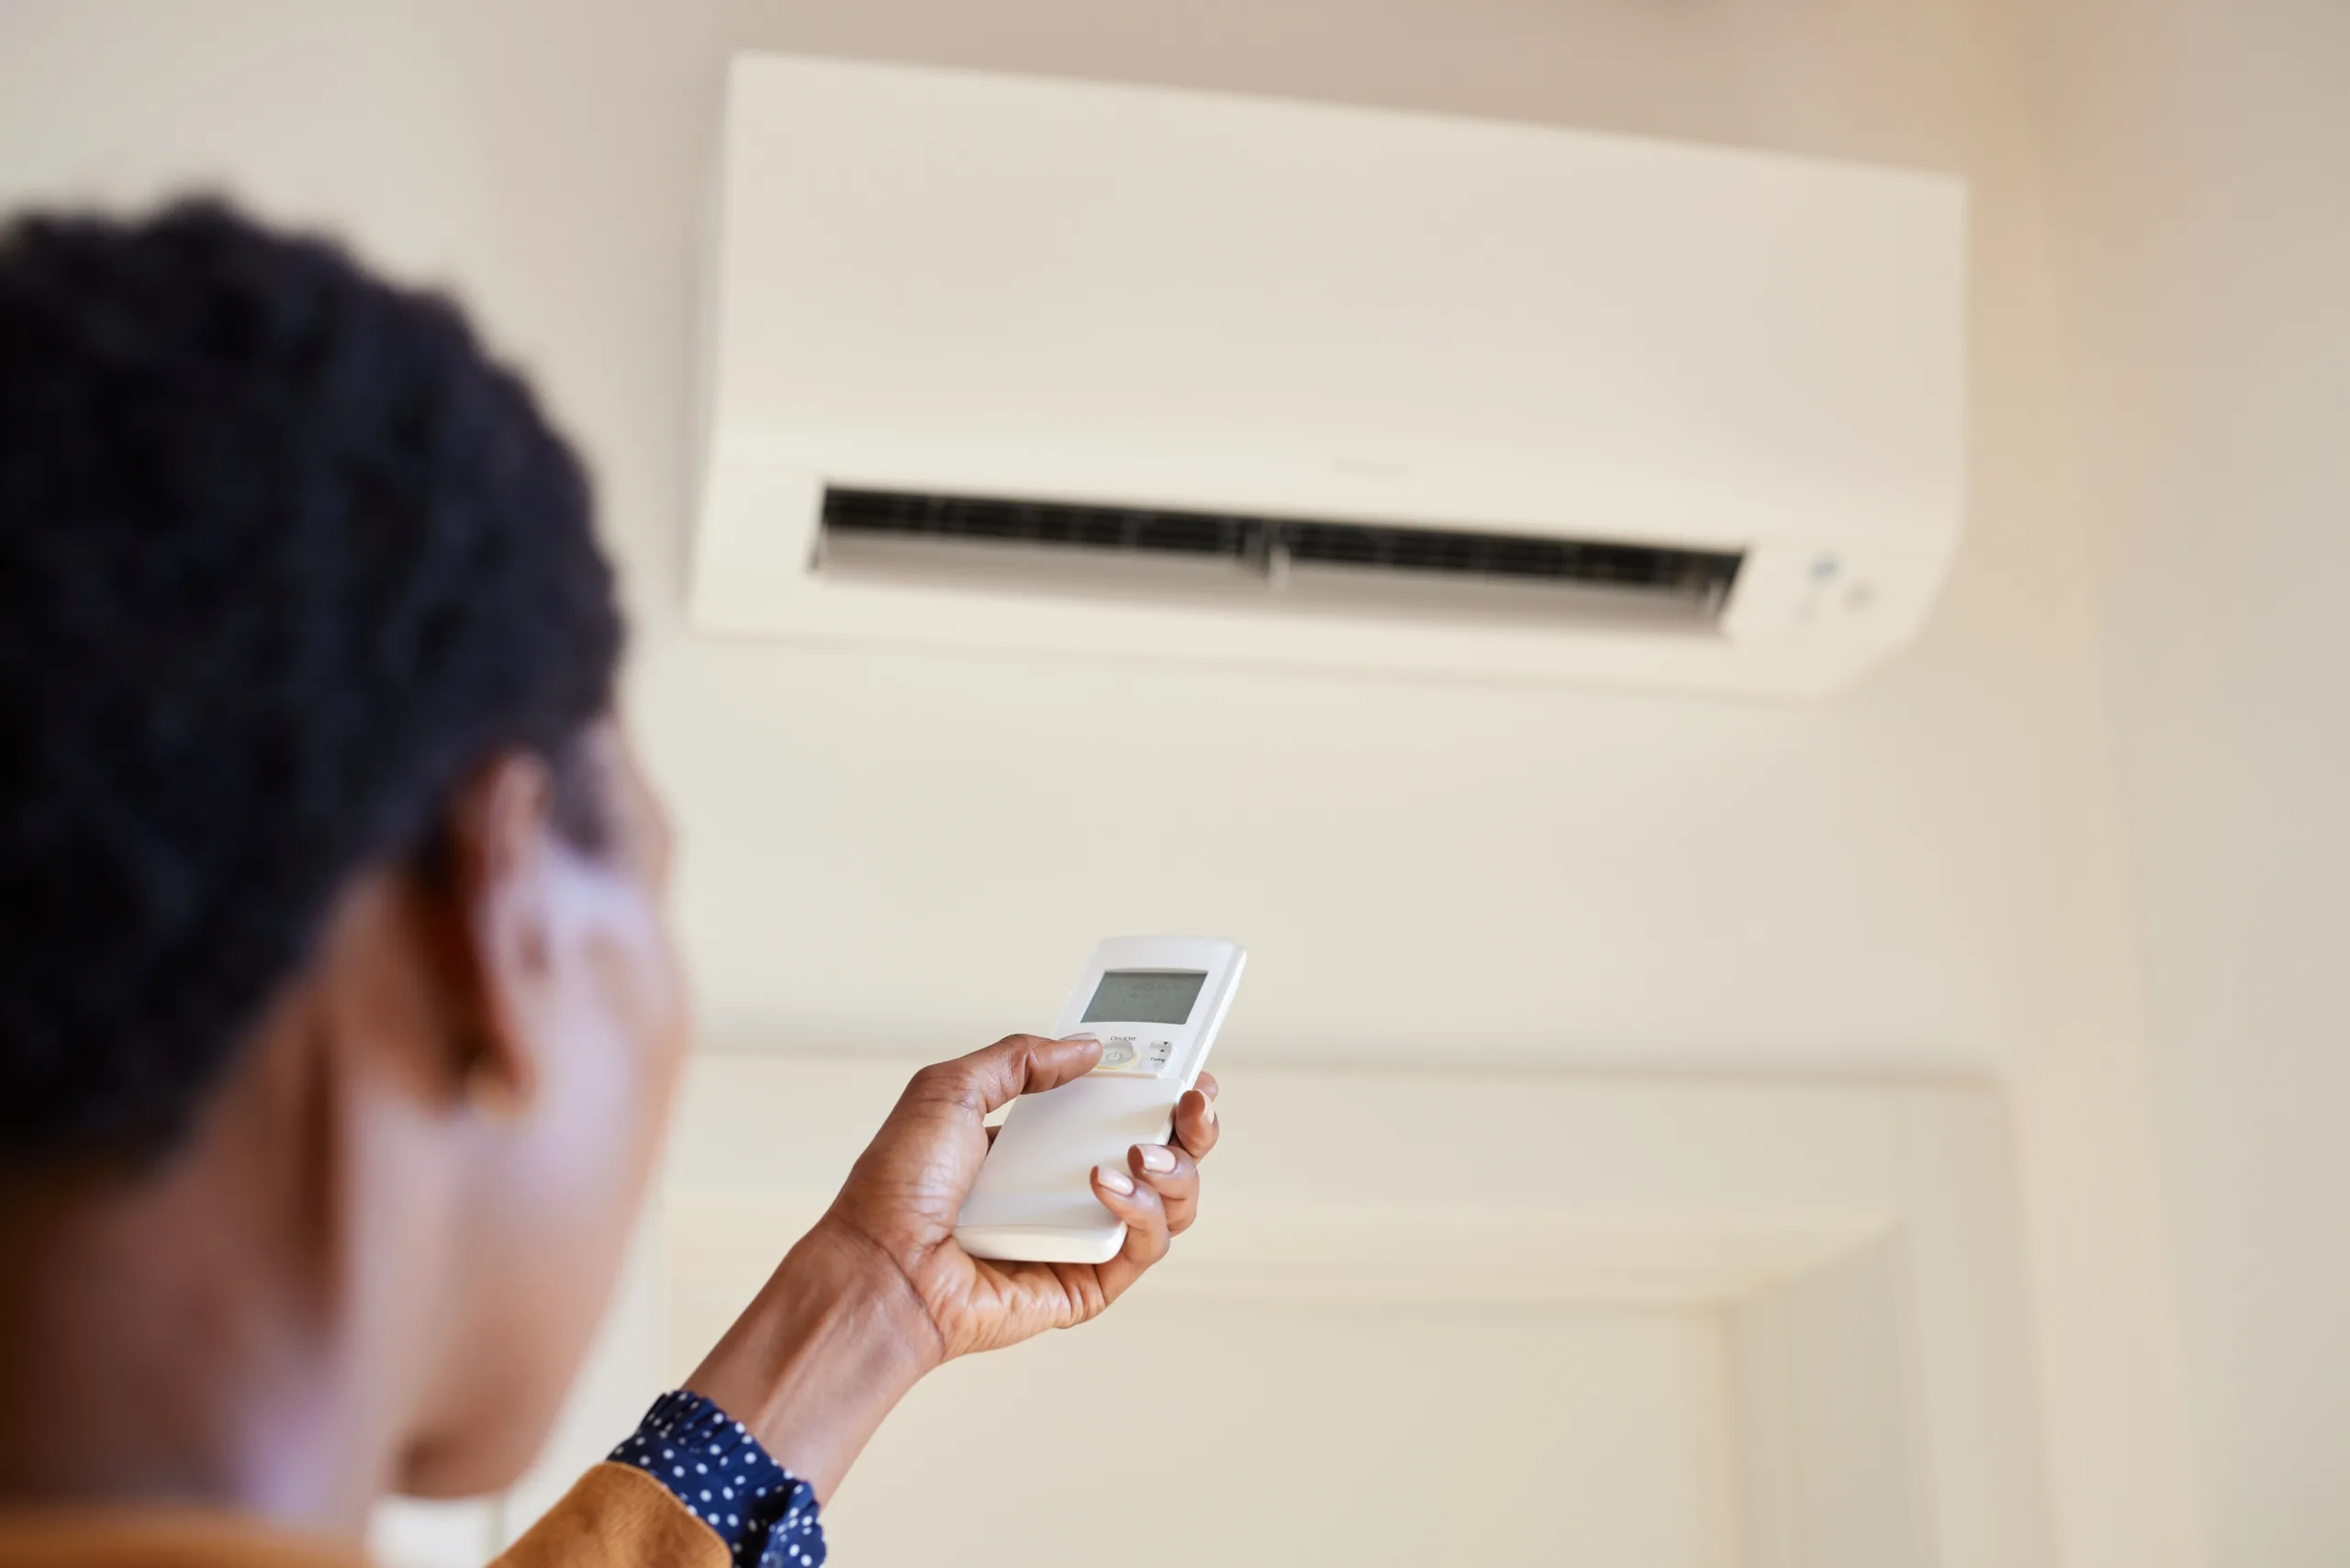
1196, 1126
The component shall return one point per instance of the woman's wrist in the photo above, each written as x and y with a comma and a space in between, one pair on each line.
830, 1344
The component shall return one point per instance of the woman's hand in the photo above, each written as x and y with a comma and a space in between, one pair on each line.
878, 1293
901, 1198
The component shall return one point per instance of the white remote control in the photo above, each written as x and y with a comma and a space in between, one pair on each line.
1157, 1002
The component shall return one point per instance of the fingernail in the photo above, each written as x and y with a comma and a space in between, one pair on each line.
1115, 1180
1210, 1113
1157, 1157
1089, 1035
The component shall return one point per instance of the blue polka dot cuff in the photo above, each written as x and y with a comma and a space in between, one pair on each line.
765, 1515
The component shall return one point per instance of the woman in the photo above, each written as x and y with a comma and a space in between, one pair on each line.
337, 1019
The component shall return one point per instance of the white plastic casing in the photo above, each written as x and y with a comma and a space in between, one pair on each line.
1033, 1198
949, 282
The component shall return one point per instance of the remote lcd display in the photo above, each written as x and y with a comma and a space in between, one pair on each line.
1145, 996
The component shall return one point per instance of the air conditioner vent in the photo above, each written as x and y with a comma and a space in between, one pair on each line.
912, 515
1699, 574
1323, 564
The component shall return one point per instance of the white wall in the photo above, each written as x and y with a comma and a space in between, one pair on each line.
1921, 877
1822, 1366
2200, 183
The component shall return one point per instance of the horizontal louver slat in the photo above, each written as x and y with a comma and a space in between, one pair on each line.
1699, 580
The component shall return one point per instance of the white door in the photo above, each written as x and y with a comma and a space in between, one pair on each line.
1497, 1319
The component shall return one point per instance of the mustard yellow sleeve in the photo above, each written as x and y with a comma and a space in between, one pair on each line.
618, 1517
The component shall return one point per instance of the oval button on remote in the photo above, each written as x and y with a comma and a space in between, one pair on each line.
1117, 1053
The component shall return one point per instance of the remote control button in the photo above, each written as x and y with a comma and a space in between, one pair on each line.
1117, 1053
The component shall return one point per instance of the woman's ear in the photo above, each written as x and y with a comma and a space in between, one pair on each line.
498, 942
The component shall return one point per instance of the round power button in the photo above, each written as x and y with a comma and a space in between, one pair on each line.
1119, 1053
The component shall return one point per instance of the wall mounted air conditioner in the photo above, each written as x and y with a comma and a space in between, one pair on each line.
1001, 362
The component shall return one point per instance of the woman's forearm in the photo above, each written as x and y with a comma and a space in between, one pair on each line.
830, 1344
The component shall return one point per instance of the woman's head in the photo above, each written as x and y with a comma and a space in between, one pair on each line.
331, 892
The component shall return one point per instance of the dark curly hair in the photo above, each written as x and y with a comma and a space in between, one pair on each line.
284, 554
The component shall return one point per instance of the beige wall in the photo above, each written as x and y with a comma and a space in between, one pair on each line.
2198, 179
1921, 877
